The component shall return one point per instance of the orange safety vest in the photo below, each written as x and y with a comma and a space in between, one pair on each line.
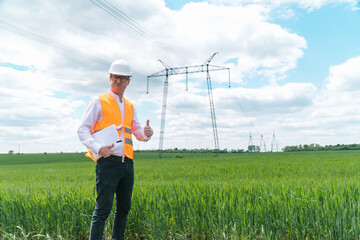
112, 115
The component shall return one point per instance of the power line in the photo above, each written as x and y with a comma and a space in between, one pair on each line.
82, 81
247, 116
185, 119
47, 41
122, 17
43, 40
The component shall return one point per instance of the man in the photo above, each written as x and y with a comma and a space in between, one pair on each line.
114, 168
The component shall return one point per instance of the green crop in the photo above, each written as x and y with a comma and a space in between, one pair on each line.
307, 195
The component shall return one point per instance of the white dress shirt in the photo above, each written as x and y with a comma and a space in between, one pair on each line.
93, 115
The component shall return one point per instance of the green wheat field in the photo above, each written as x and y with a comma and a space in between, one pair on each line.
307, 195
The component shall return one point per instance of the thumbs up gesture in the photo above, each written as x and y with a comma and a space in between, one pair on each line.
147, 129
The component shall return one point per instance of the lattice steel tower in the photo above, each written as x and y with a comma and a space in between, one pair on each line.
251, 143
168, 71
274, 145
262, 144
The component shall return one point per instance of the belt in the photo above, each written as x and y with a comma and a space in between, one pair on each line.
118, 158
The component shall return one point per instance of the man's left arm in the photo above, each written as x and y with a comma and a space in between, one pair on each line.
141, 134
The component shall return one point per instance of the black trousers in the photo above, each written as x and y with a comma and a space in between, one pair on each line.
112, 177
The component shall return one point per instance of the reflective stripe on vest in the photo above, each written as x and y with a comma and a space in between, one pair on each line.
127, 130
111, 114
128, 141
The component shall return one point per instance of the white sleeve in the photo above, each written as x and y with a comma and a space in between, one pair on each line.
92, 115
137, 129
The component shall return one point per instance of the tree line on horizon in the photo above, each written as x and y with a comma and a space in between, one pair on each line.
194, 150
318, 147
253, 149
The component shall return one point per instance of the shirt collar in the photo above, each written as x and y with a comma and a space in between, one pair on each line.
115, 96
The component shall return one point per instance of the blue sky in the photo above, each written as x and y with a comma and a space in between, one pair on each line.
294, 64
177, 5
332, 37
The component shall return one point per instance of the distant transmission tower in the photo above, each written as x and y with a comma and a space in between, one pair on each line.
274, 145
250, 142
168, 71
262, 144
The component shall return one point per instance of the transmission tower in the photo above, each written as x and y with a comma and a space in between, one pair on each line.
274, 145
169, 71
250, 142
262, 144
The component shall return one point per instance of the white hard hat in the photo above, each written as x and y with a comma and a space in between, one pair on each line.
120, 67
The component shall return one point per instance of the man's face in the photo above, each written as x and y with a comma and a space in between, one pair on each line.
119, 83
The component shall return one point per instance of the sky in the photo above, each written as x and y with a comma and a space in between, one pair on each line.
294, 70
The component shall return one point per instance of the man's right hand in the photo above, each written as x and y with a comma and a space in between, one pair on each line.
105, 151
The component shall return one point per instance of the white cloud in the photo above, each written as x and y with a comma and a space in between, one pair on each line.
41, 106
270, 100
344, 77
31, 111
237, 112
240, 33
297, 112
306, 4
340, 95
334, 117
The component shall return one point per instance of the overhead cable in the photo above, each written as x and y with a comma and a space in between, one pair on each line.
47, 41
41, 39
122, 17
